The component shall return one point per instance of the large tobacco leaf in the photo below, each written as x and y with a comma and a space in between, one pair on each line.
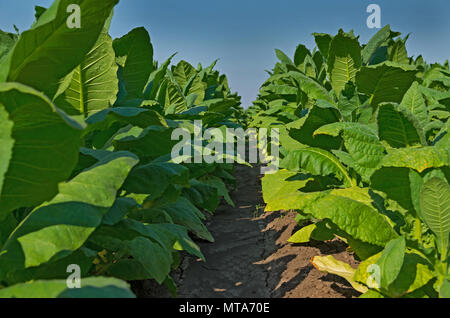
92, 287
386, 82
281, 190
331, 265
414, 101
134, 54
155, 178
50, 50
419, 159
322, 113
39, 147
364, 149
7, 41
93, 85
398, 128
62, 225
354, 215
413, 275
435, 210
317, 162
376, 42
153, 141
344, 60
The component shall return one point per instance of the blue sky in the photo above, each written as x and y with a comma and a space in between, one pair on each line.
244, 33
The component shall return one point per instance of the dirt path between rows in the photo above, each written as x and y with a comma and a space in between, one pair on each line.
251, 257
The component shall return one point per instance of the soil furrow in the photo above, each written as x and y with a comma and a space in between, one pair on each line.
251, 257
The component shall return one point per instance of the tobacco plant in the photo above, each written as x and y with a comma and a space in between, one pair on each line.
366, 158
86, 176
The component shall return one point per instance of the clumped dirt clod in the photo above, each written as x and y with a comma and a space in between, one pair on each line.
251, 256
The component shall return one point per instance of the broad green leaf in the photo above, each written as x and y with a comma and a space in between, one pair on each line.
62, 225
7, 225
203, 195
413, 275
397, 51
435, 208
317, 162
179, 238
444, 290
148, 258
398, 128
335, 129
194, 90
154, 178
184, 213
283, 57
7, 143
155, 80
91, 287
56, 269
109, 118
434, 95
344, 60
398, 184
303, 235
386, 82
360, 220
220, 186
7, 41
191, 83
281, 188
134, 54
175, 101
319, 65
415, 103
322, 113
38, 11
218, 104
170, 236
349, 102
418, 159
359, 194
371, 293
50, 50
311, 87
331, 265
309, 66
283, 90
323, 43
391, 261
183, 72
375, 42
121, 207
93, 83
317, 231
300, 55
154, 141
362, 250
39, 147
365, 151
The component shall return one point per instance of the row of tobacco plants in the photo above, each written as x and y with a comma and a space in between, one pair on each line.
364, 132
86, 177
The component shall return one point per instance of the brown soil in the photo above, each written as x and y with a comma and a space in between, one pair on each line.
251, 256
